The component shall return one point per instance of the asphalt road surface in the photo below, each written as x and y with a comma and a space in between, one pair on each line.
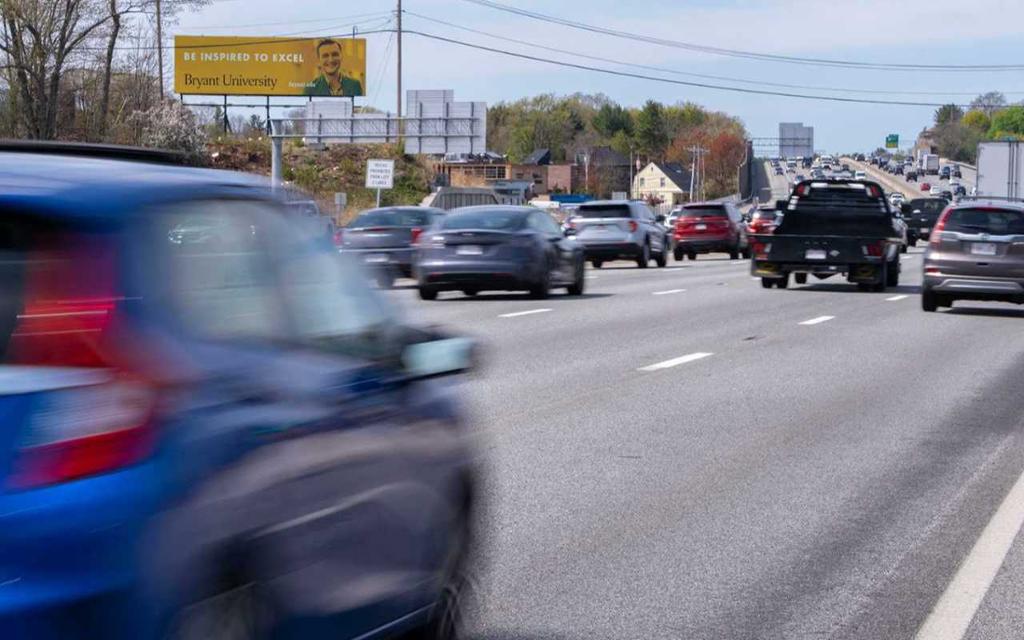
683, 454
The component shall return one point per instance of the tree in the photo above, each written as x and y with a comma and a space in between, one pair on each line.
1008, 122
651, 133
947, 114
172, 126
610, 119
256, 125
989, 103
977, 120
38, 39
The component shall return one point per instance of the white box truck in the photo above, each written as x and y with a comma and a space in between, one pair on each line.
930, 164
1001, 169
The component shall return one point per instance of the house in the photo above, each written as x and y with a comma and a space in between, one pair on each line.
487, 169
667, 182
600, 171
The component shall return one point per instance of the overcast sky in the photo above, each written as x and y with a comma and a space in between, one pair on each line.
957, 32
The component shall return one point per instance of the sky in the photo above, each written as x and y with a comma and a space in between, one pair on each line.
920, 32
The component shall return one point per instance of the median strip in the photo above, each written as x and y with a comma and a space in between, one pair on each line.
523, 313
817, 320
896, 298
670, 291
675, 362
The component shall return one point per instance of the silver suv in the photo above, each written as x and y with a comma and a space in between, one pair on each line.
620, 229
975, 252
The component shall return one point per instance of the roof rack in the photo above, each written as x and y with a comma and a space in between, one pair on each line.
90, 150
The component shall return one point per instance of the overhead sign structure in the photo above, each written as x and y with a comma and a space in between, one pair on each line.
380, 174
255, 66
892, 141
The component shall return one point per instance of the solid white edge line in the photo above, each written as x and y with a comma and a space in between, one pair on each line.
817, 320
665, 293
896, 298
675, 362
523, 313
951, 616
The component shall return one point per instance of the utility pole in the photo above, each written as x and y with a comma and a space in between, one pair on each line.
398, 14
160, 48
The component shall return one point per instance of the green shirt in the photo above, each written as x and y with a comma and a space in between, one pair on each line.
320, 87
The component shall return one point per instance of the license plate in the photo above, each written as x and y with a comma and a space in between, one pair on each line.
983, 249
376, 258
700, 227
469, 250
815, 254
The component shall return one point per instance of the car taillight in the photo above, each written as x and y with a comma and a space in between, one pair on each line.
935, 238
339, 237
84, 431
874, 249
415, 233
632, 226
760, 250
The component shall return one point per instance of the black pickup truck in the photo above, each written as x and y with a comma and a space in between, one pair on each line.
921, 214
829, 228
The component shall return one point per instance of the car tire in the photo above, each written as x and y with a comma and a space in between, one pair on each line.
746, 253
576, 288
469, 292
800, 278
692, 255
903, 248
597, 264
783, 282
662, 258
678, 254
913, 242
892, 273
644, 259
232, 612
767, 283
542, 287
734, 253
929, 301
428, 293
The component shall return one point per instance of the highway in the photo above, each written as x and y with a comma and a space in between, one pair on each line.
683, 454
911, 189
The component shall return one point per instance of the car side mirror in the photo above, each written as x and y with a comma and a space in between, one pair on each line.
441, 357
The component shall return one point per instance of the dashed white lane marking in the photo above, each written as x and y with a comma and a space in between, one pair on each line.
817, 320
675, 362
952, 614
670, 291
896, 298
523, 313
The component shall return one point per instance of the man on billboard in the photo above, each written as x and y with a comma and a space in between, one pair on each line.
332, 81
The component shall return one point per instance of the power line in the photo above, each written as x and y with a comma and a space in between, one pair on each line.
286, 22
698, 75
383, 67
738, 53
638, 76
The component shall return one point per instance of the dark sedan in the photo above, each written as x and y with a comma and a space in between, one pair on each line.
383, 239
499, 248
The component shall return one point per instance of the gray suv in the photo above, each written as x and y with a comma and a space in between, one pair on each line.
976, 252
620, 229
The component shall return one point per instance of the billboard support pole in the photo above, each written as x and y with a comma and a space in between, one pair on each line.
276, 162
398, 15
225, 115
378, 198
268, 116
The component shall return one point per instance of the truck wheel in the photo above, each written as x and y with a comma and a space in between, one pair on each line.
928, 301
734, 254
692, 255
644, 258
913, 242
783, 282
903, 248
596, 263
746, 253
428, 293
800, 278
766, 283
678, 254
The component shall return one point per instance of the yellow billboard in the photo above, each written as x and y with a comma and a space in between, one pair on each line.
254, 66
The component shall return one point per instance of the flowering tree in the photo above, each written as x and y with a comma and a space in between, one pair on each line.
171, 126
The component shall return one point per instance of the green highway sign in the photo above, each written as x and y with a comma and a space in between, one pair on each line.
892, 141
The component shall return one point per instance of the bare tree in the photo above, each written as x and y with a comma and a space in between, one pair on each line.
39, 38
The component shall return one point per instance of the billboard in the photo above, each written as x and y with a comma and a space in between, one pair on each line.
255, 66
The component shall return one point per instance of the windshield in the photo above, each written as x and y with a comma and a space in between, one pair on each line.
392, 218
604, 211
486, 220
997, 222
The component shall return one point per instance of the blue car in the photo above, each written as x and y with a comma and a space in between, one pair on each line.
212, 426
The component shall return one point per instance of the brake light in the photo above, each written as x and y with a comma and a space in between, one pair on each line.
416, 232
632, 226
760, 250
936, 234
85, 431
874, 249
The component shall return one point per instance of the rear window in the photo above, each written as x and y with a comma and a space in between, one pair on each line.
604, 211
700, 212
488, 220
849, 199
998, 222
392, 218
928, 205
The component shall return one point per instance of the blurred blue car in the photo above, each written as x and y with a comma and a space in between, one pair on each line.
212, 427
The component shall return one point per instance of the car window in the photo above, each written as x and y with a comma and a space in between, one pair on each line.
605, 211
546, 224
392, 218
710, 210
483, 219
998, 222
221, 278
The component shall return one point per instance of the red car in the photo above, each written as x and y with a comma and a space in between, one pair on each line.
710, 226
926, 186
763, 221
